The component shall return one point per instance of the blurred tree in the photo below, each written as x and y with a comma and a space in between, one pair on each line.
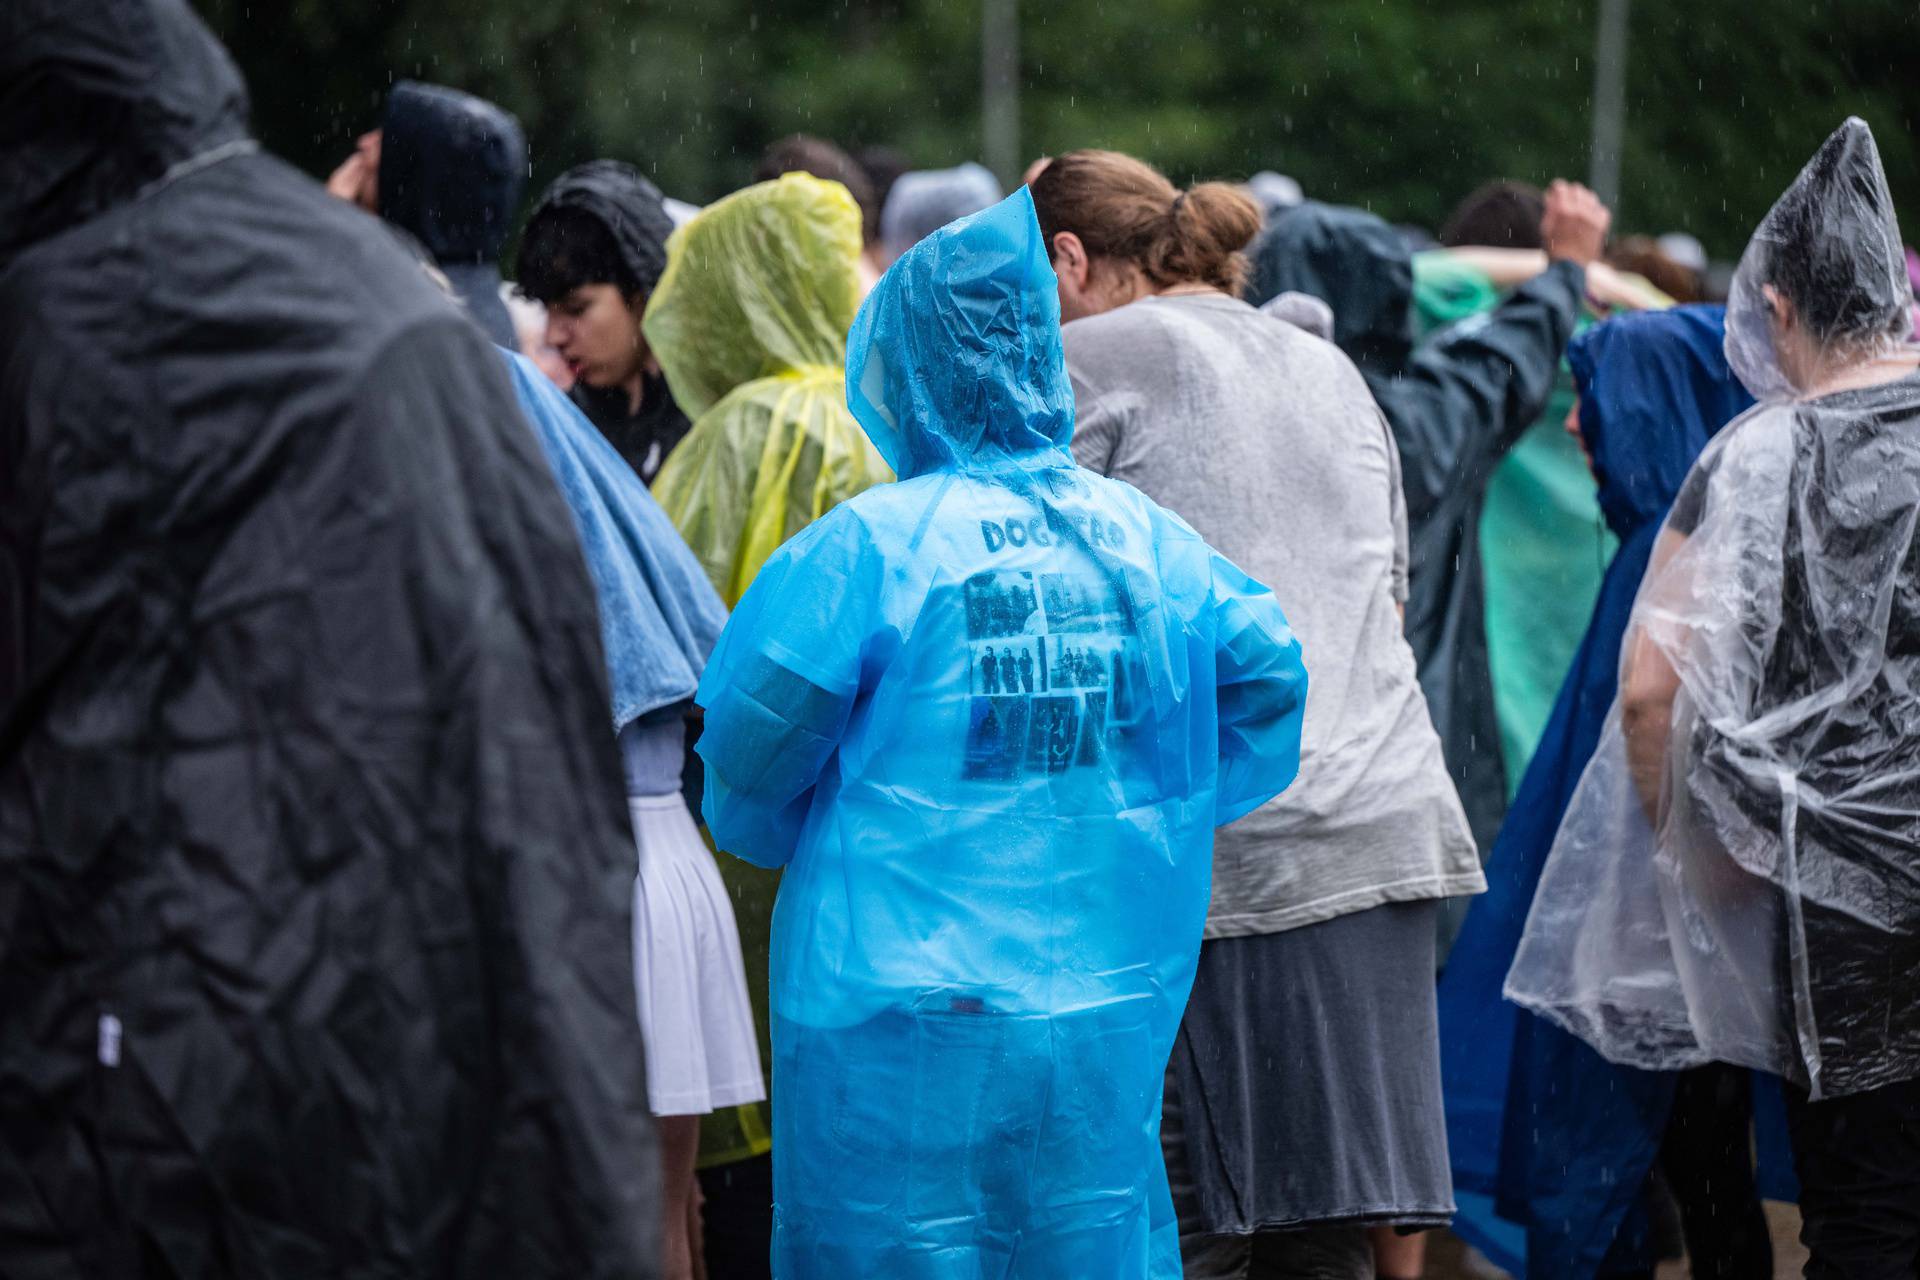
1399, 105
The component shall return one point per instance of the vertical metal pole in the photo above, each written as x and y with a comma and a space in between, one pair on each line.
1000, 87
1609, 99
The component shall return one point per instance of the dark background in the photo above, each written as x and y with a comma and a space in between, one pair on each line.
1399, 105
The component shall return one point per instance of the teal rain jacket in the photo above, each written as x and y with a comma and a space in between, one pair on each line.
988, 719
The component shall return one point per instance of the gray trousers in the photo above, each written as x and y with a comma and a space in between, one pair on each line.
1311, 1253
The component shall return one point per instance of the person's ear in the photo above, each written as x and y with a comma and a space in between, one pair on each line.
637, 309
1781, 308
1070, 260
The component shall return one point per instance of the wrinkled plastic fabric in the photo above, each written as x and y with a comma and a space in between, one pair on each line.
1561, 1137
1770, 917
1836, 227
1913, 279
749, 322
315, 875
987, 718
659, 616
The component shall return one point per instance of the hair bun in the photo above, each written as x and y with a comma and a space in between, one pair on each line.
1209, 226
1122, 208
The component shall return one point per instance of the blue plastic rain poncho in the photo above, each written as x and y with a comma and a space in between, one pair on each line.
1583, 1133
988, 719
659, 616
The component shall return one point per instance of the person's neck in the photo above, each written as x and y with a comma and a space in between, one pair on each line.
636, 385
1859, 374
1188, 289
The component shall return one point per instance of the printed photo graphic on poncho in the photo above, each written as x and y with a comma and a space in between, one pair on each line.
1052, 665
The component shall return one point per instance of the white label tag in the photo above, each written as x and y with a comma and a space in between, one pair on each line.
109, 1040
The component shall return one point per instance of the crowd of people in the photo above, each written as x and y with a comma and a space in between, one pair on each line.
882, 727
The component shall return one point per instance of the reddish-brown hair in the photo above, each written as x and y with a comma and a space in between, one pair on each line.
1125, 209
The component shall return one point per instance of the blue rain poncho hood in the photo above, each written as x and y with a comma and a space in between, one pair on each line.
956, 362
659, 616
987, 718
1765, 915
1654, 388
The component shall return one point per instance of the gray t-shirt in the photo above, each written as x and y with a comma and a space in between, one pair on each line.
1266, 440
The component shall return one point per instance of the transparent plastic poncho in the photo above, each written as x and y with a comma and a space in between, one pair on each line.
1768, 913
749, 324
987, 718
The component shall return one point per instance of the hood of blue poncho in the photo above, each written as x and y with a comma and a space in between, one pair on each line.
955, 361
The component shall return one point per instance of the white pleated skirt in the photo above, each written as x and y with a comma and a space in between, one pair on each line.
690, 984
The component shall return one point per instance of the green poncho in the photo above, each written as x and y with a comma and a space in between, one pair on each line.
749, 324
1542, 540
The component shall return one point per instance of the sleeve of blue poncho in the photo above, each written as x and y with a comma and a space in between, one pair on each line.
1262, 693
781, 685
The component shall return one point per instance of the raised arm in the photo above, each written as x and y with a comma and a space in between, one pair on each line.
1469, 395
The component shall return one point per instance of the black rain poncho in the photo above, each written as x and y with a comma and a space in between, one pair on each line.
315, 875
1769, 916
452, 167
1457, 404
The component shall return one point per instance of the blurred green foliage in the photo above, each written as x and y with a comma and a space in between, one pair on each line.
1400, 105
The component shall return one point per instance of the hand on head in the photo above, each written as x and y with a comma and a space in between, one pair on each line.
357, 180
1575, 224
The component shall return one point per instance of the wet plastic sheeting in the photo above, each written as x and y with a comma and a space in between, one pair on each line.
987, 718
1771, 916
659, 616
749, 324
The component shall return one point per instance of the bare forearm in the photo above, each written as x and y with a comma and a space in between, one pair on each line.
1504, 267
1648, 725
1649, 687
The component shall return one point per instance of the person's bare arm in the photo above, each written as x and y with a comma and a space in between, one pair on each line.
1574, 228
1649, 686
1506, 268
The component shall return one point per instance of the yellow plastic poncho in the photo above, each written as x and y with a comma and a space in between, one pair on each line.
750, 324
